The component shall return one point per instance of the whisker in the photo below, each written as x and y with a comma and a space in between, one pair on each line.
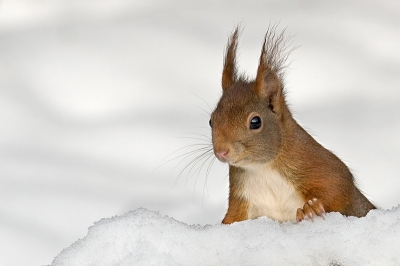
205, 181
191, 153
184, 154
210, 155
197, 139
204, 136
193, 161
187, 147
203, 101
205, 113
192, 171
201, 157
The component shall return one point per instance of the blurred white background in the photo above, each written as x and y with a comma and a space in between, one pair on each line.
96, 95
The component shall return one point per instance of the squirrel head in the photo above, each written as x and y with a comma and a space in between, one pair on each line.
247, 124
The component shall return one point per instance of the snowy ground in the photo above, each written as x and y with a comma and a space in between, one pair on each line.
142, 237
94, 96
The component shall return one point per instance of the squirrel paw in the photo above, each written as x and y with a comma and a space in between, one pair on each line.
310, 209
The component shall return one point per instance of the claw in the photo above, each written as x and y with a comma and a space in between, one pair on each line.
300, 215
310, 209
319, 208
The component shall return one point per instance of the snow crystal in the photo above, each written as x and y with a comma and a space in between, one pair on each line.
143, 237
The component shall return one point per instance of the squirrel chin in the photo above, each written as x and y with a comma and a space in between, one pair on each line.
242, 164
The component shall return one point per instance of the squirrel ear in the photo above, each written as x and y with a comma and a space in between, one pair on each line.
229, 74
268, 84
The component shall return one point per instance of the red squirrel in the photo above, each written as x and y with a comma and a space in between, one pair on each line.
276, 169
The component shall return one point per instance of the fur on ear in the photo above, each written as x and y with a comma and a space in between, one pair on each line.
229, 73
269, 81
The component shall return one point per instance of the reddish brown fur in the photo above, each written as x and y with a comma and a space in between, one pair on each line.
237, 207
318, 173
229, 74
314, 171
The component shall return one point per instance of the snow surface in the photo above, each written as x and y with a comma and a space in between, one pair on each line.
143, 237
95, 96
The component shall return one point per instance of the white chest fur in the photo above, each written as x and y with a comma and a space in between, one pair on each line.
269, 194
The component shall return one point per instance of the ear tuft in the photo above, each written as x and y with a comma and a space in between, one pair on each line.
229, 73
269, 80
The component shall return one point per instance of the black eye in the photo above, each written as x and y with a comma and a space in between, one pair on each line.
255, 122
209, 122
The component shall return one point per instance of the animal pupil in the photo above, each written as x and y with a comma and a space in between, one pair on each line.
255, 122
209, 122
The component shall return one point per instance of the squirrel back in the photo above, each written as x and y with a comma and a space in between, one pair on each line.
276, 168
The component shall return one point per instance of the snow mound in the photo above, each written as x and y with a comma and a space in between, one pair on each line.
143, 237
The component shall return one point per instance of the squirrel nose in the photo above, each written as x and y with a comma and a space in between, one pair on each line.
222, 154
